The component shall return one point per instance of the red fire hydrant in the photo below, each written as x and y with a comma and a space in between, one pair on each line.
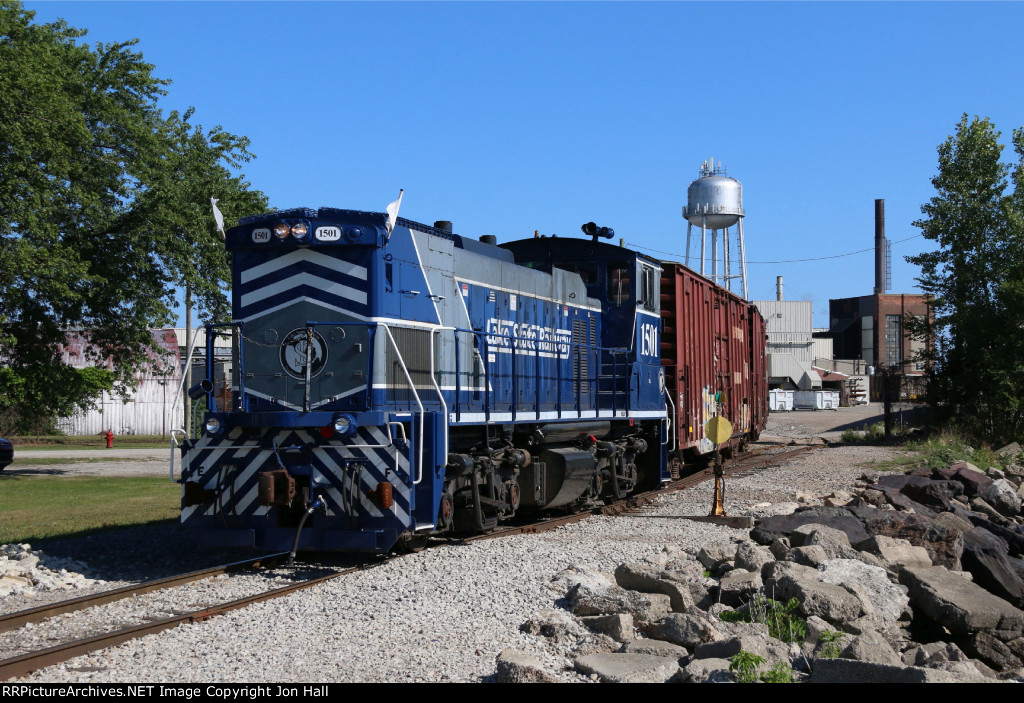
110, 439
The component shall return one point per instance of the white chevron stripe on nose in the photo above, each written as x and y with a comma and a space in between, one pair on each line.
299, 279
299, 255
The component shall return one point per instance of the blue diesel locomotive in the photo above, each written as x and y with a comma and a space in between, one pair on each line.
391, 380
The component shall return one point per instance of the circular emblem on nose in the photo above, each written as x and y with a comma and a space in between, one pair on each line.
293, 353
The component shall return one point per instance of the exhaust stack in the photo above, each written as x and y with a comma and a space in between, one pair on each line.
880, 247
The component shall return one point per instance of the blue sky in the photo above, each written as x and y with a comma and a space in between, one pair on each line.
512, 117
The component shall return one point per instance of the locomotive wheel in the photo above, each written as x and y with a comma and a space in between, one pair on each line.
446, 510
512, 495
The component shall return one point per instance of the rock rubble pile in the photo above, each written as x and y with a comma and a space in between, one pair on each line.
915, 577
24, 571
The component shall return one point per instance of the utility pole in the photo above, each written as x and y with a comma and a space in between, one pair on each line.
188, 365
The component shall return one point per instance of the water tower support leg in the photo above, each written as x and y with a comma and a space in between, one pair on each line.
689, 227
726, 257
743, 258
703, 242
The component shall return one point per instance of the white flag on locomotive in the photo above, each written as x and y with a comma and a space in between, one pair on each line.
217, 216
392, 211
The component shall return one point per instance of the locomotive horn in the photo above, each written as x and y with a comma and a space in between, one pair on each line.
592, 230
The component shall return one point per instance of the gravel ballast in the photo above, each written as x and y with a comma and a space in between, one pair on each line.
446, 613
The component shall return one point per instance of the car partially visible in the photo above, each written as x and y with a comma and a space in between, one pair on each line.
6, 453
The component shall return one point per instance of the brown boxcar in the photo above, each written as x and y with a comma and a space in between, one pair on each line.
713, 354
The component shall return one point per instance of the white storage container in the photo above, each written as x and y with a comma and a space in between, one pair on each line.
779, 400
816, 400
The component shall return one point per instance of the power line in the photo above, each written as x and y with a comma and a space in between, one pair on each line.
790, 261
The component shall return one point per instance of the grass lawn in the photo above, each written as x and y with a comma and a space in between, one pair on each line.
127, 441
37, 507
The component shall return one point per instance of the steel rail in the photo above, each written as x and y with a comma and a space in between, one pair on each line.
27, 663
13, 621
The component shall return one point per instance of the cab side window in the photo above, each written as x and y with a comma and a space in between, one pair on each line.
648, 287
619, 282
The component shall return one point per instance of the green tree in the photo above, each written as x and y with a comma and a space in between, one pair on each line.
104, 210
976, 279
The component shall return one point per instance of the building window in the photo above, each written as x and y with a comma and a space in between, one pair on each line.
893, 340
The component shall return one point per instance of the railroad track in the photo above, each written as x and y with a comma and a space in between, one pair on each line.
24, 664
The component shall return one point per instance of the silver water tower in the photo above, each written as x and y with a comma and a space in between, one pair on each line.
714, 202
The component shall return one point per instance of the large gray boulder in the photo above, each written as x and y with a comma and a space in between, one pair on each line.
687, 629
646, 578
707, 671
870, 646
894, 554
715, 556
752, 557
975, 482
644, 607
771, 528
835, 604
554, 624
618, 626
520, 667
944, 544
622, 667
874, 590
985, 557
957, 604
1002, 495
739, 586
854, 671
990, 650
770, 649
656, 647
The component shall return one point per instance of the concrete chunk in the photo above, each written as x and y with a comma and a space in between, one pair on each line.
708, 671
656, 648
519, 667
619, 667
957, 604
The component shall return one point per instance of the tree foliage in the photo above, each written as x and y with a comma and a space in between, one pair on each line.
977, 279
104, 207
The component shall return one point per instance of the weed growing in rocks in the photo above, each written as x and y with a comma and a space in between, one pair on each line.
780, 673
949, 448
832, 644
782, 622
744, 666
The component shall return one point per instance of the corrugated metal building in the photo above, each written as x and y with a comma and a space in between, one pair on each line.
148, 409
790, 344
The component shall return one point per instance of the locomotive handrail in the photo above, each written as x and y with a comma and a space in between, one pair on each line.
673, 435
174, 444
416, 397
440, 396
576, 349
181, 386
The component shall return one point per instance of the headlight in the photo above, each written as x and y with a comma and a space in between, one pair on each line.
300, 230
282, 230
345, 424
213, 426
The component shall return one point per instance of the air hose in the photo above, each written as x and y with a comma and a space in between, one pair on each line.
317, 504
